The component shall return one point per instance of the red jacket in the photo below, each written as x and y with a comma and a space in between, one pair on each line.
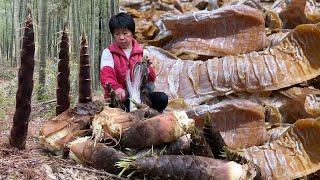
117, 76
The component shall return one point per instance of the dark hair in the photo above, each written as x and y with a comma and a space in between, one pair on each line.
121, 20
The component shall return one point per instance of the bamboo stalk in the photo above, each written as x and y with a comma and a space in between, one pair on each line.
85, 93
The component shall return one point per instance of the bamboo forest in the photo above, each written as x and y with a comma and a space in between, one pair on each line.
160, 89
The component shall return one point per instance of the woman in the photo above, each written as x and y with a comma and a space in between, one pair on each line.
121, 56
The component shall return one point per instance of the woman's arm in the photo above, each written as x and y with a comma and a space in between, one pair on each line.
107, 72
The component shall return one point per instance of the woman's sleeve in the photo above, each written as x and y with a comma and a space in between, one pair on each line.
107, 72
152, 75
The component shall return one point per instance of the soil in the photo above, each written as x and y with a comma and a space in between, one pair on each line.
33, 162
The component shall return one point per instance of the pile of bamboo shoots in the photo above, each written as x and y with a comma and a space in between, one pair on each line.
242, 79
126, 142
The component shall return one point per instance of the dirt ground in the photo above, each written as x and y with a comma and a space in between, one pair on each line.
33, 162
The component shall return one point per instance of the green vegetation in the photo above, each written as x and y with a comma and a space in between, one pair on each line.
8, 89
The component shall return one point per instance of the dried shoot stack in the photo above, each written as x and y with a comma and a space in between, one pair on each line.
293, 61
221, 32
25, 86
233, 119
63, 89
85, 94
293, 155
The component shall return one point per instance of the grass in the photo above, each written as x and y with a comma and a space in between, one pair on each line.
51, 81
8, 90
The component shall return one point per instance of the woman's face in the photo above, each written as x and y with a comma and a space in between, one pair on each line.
123, 37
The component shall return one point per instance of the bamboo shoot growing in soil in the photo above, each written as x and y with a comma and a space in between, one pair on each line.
85, 93
157, 130
19, 128
292, 155
189, 167
63, 89
98, 155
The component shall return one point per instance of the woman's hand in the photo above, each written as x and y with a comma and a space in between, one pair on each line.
150, 60
121, 94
